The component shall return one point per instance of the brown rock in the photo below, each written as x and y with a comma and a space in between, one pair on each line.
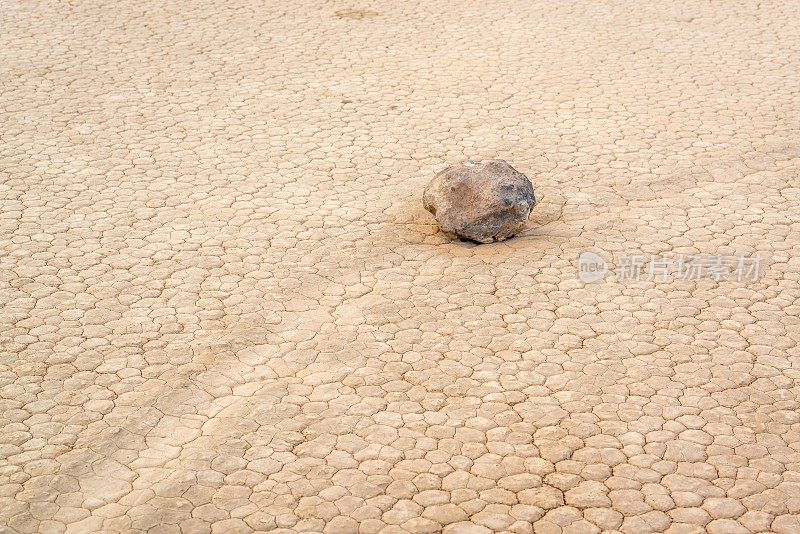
483, 202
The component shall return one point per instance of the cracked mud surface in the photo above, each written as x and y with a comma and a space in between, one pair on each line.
224, 308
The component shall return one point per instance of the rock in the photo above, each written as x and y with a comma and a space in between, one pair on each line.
483, 202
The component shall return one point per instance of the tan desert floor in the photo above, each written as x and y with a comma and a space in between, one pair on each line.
225, 310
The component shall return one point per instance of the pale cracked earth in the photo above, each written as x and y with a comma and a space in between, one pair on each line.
225, 310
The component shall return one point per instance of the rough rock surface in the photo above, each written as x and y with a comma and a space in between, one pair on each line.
481, 202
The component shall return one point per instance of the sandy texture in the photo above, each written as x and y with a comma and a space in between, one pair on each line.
224, 308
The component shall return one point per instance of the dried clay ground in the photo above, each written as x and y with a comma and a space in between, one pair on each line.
225, 310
